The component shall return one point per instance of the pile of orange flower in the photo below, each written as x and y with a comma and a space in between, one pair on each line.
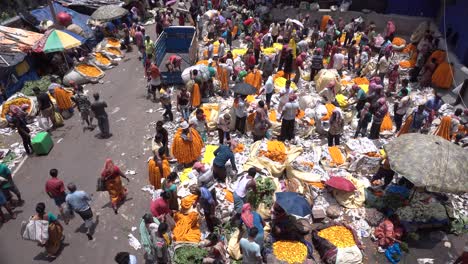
114, 51
239, 148
339, 236
88, 70
407, 64
113, 42
398, 41
360, 81
101, 58
276, 151
336, 155
290, 251
308, 164
300, 114
330, 108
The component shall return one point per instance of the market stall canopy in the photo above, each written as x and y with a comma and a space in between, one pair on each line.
43, 14
293, 203
244, 89
58, 40
429, 161
92, 3
109, 13
16, 40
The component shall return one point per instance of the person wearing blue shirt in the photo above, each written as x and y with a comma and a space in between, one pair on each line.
432, 107
222, 155
78, 202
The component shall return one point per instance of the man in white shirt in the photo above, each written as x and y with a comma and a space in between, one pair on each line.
288, 117
221, 48
284, 95
338, 60
241, 113
250, 250
382, 66
401, 109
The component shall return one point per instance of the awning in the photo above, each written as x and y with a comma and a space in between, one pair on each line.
14, 40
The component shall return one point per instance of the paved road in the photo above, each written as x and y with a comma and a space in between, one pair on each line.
79, 157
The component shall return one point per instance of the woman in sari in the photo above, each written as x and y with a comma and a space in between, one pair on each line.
158, 168
170, 188
252, 219
63, 99
55, 230
111, 175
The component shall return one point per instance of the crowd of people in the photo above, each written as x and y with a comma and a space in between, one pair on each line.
302, 50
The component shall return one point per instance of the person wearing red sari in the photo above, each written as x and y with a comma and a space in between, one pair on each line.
113, 183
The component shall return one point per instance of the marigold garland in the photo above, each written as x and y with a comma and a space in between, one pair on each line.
387, 124
276, 151
336, 155
88, 70
187, 151
444, 128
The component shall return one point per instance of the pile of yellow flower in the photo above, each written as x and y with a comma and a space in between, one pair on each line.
208, 108
88, 70
290, 251
18, 102
276, 151
339, 236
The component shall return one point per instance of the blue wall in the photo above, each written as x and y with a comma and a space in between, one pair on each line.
427, 8
456, 18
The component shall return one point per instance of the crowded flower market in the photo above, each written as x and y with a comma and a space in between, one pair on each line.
233, 131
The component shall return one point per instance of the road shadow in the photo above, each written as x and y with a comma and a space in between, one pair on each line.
109, 204
82, 228
43, 255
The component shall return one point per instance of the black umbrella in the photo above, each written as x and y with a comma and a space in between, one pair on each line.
244, 89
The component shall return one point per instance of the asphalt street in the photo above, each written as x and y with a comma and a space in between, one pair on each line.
80, 157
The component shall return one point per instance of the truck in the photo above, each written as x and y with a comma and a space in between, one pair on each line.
180, 41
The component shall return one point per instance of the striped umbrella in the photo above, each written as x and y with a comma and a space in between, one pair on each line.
58, 40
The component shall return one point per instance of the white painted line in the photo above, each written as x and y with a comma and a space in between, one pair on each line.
19, 165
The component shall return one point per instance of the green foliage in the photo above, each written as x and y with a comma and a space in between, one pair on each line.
225, 229
265, 190
42, 84
189, 254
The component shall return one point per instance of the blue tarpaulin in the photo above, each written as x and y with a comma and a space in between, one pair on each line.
77, 18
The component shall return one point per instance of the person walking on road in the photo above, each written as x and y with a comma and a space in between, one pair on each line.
55, 188
17, 117
79, 202
7, 184
99, 110
4, 203
84, 107
117, 192
55, 231
45, 106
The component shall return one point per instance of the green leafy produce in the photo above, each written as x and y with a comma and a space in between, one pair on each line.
189, 254
42, 84
265, 190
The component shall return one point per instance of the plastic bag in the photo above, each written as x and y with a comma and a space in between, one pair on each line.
58, 119
44, 123
36, 230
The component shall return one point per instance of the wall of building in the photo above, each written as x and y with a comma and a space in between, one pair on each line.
456, 18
